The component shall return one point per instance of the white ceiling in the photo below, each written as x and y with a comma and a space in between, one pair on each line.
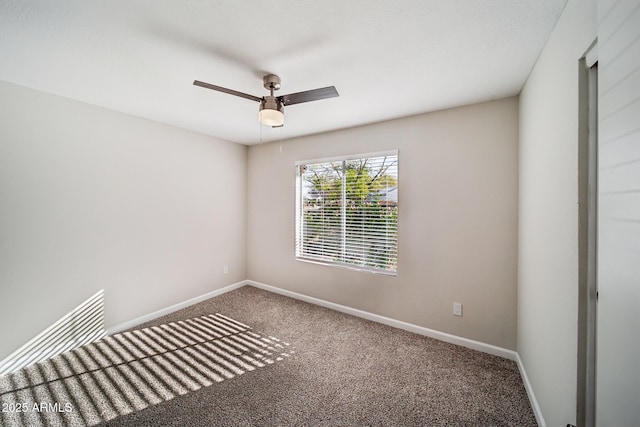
387, 59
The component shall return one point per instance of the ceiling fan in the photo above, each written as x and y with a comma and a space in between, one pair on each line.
272, 107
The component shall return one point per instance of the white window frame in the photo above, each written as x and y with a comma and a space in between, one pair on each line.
299, 218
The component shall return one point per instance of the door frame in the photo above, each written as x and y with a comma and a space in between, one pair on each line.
587, 236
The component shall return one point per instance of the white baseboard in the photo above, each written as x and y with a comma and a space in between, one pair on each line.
532, 397
442, 336
140, 320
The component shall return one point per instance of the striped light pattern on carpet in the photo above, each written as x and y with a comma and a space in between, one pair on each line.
130, 371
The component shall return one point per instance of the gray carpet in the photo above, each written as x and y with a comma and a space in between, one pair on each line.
253, 358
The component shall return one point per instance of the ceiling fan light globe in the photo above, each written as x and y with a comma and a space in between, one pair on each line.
271, 112
271, 117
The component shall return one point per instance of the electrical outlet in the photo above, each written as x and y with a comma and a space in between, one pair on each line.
457, 309
226, 269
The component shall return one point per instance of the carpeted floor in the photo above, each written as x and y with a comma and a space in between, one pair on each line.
254, 358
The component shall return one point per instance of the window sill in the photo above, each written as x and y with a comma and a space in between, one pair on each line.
349, 267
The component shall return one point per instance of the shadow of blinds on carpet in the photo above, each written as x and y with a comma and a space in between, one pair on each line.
82, 325
130, 371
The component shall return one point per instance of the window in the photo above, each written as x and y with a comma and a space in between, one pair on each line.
347, 211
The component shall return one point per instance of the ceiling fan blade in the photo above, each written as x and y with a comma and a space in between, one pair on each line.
309, 95
225, 90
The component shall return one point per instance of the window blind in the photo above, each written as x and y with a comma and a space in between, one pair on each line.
347, 212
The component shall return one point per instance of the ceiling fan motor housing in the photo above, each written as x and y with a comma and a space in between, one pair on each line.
271, 111
271, 103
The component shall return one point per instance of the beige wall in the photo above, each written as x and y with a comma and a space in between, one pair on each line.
548, 215
93, 199
457, 221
